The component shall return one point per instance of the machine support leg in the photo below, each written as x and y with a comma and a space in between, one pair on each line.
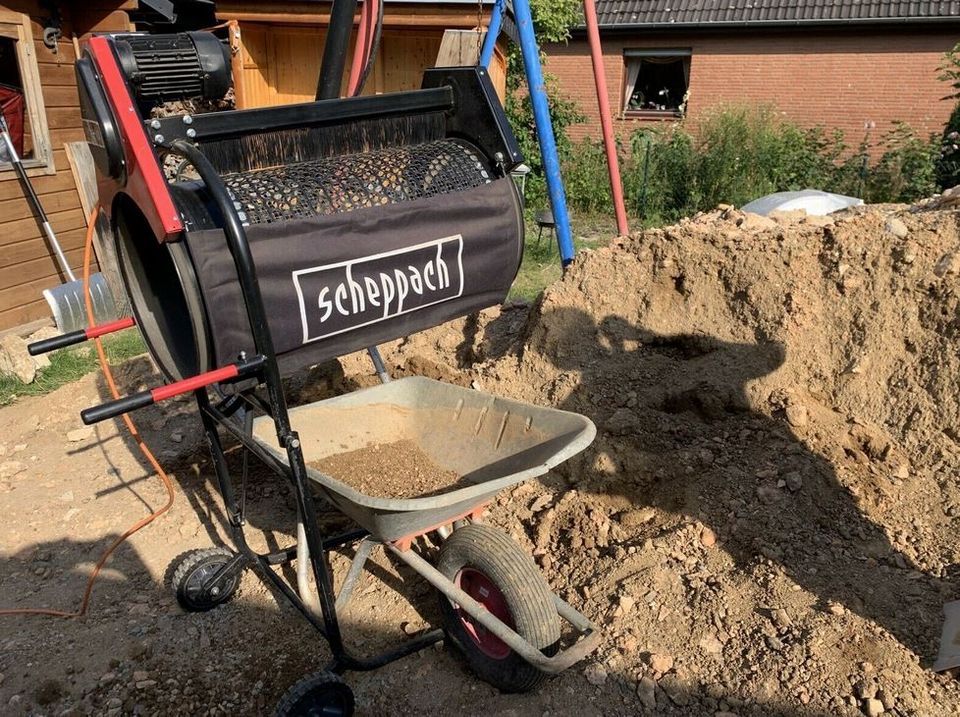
493, 32
603, 100
548, 141
378, 364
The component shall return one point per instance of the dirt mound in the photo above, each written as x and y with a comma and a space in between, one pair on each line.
767, 520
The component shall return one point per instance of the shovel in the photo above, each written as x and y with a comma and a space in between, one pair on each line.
949, 657
66, 301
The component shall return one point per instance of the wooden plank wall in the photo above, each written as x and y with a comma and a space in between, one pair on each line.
281, 62
27, 265
281, 45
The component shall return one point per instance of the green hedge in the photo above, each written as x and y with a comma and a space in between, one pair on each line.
737, 154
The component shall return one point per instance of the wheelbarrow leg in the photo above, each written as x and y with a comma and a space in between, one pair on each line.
318, 556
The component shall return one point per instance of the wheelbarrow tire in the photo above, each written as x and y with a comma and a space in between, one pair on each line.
191, 569
322, 694
493, 569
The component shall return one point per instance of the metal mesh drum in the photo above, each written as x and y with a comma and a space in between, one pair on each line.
343, 184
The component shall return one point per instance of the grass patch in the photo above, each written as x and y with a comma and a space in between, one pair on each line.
71, 365
541, 260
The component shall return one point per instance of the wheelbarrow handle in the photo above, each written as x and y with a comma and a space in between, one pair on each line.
120, 406
78, 337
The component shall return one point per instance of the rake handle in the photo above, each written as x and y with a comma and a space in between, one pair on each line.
34, 200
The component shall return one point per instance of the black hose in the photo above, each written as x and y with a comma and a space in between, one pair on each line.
335, 49
374, 48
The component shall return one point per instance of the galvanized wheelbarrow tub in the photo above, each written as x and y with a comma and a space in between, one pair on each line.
493, 443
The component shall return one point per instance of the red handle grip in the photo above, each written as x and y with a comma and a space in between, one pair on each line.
188, 385
112, 409
95, 332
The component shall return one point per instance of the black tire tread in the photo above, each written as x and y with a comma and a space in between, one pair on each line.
181, 567
303, 687
513, 571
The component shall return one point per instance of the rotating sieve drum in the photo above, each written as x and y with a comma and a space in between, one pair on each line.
367, 218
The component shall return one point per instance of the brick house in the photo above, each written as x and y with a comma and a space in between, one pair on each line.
857, 65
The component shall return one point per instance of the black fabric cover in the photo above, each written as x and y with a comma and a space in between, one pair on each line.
336, 284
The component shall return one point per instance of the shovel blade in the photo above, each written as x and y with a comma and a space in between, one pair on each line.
69, 309
949, 657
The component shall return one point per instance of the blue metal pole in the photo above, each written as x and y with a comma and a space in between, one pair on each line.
493, 32
541, 116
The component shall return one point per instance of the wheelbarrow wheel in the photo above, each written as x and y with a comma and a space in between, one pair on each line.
190, 572
491, 568
322, 694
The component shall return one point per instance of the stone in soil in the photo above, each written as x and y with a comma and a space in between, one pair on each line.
14, 359
79, 434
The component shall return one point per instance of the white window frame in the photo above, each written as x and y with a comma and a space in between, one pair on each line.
16, 26
631, 76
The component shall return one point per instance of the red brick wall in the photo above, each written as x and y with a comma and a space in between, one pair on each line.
836, 79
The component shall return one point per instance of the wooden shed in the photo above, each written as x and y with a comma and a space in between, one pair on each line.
278, 46
38, 81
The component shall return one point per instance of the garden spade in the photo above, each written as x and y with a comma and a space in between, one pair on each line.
66, 300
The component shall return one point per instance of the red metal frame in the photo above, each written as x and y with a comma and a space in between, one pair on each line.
603, 99
474, 514
145, 184
95, 332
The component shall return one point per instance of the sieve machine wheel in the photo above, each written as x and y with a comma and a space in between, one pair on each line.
490, 567
190, 572
322, 694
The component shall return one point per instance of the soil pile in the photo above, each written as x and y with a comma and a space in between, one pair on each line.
767, 520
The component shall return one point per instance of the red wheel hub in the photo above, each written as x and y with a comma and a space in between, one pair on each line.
484, 591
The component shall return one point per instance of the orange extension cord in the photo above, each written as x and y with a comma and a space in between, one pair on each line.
167, 483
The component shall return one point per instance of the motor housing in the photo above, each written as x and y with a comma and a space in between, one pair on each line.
168, 68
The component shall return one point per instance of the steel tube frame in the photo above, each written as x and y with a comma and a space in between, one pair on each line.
287, 438
493, 33
548, 141
557, 663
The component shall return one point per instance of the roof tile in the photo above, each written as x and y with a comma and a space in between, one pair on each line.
696, 12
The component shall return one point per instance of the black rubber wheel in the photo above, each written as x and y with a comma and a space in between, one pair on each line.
322, 694
491, 568
191, 570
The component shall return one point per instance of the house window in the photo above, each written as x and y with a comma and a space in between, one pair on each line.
21, 100
657, 82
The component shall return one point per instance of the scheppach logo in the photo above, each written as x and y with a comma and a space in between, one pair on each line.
336, 298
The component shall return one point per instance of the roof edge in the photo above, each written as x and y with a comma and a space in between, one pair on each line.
746, 24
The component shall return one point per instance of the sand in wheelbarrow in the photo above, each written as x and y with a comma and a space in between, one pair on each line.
389, 470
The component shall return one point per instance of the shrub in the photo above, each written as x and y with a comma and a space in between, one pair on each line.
948, 161
737, 154
907, 169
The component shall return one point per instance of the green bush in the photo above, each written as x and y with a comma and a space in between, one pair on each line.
907, 169
948, 161
736, 154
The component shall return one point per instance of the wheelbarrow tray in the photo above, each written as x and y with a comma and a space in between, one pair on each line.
491, 442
